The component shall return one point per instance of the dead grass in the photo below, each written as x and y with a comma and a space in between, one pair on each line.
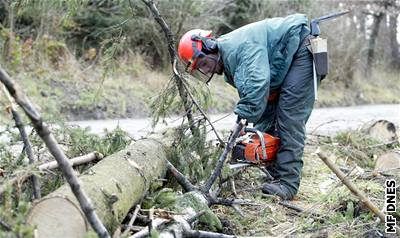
338, 212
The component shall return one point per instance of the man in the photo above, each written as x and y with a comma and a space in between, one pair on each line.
269, 64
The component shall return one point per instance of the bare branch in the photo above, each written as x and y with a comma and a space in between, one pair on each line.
27, 144
223, 157
131, 221
361, 196
158, 222
206, 234
182, 180
222, 143
51, 143
74, 161
6, 226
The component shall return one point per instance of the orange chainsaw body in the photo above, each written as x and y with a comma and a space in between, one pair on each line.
250, 149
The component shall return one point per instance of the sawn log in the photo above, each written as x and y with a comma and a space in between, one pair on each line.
114, 185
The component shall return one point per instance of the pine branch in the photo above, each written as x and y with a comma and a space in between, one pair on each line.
184, 91
51, 143
174, 58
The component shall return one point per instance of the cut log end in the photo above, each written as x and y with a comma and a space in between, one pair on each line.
50, 216
383, 131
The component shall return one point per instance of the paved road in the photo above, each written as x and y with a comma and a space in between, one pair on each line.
326, 121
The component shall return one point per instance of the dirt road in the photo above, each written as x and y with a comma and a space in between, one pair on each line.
322, 120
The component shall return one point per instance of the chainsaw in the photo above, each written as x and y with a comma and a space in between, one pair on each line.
255, 148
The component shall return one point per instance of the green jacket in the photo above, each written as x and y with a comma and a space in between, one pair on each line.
257, 58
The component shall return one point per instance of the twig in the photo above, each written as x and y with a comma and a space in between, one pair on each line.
151, 218
266, 172
382, 144
322, 124
238, 210
6, 226
223, 156
363, 198
131, 221
222, 143
74, 161
157, 223
51, 143
224, 180
206, 234
27, 144
13, 181
230, 202
232, 183
291, 206
182, 180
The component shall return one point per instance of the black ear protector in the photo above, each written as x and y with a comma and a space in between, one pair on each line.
209, 44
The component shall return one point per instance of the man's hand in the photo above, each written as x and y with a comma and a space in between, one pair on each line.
244, 122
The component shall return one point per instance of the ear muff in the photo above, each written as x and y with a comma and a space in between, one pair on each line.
209, 45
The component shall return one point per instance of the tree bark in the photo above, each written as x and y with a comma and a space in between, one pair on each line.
372, 42
115, 185
394, 45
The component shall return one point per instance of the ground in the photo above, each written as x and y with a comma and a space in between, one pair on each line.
330, 210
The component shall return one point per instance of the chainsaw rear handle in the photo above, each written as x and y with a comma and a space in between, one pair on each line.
261, 136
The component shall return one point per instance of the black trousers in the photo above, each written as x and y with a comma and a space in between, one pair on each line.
287, 117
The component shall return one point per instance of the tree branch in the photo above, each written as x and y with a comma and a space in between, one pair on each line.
51, 143
27, 144
131, 221
206, 234
222, 143
74, 161
173, 57
222, 158
182, 180
361, 196
184, 91
6, 226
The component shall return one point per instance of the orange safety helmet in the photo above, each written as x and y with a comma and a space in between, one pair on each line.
191, 45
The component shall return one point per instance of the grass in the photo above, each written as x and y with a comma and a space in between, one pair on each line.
382, 87
340, 213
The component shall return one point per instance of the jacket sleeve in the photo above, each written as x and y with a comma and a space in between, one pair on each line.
252, 79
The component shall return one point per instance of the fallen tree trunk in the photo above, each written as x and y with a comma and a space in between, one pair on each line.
115, 185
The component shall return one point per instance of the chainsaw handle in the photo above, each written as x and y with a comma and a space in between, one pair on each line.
261, 136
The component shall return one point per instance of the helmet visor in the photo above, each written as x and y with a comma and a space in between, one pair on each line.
202, 76
205, 68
